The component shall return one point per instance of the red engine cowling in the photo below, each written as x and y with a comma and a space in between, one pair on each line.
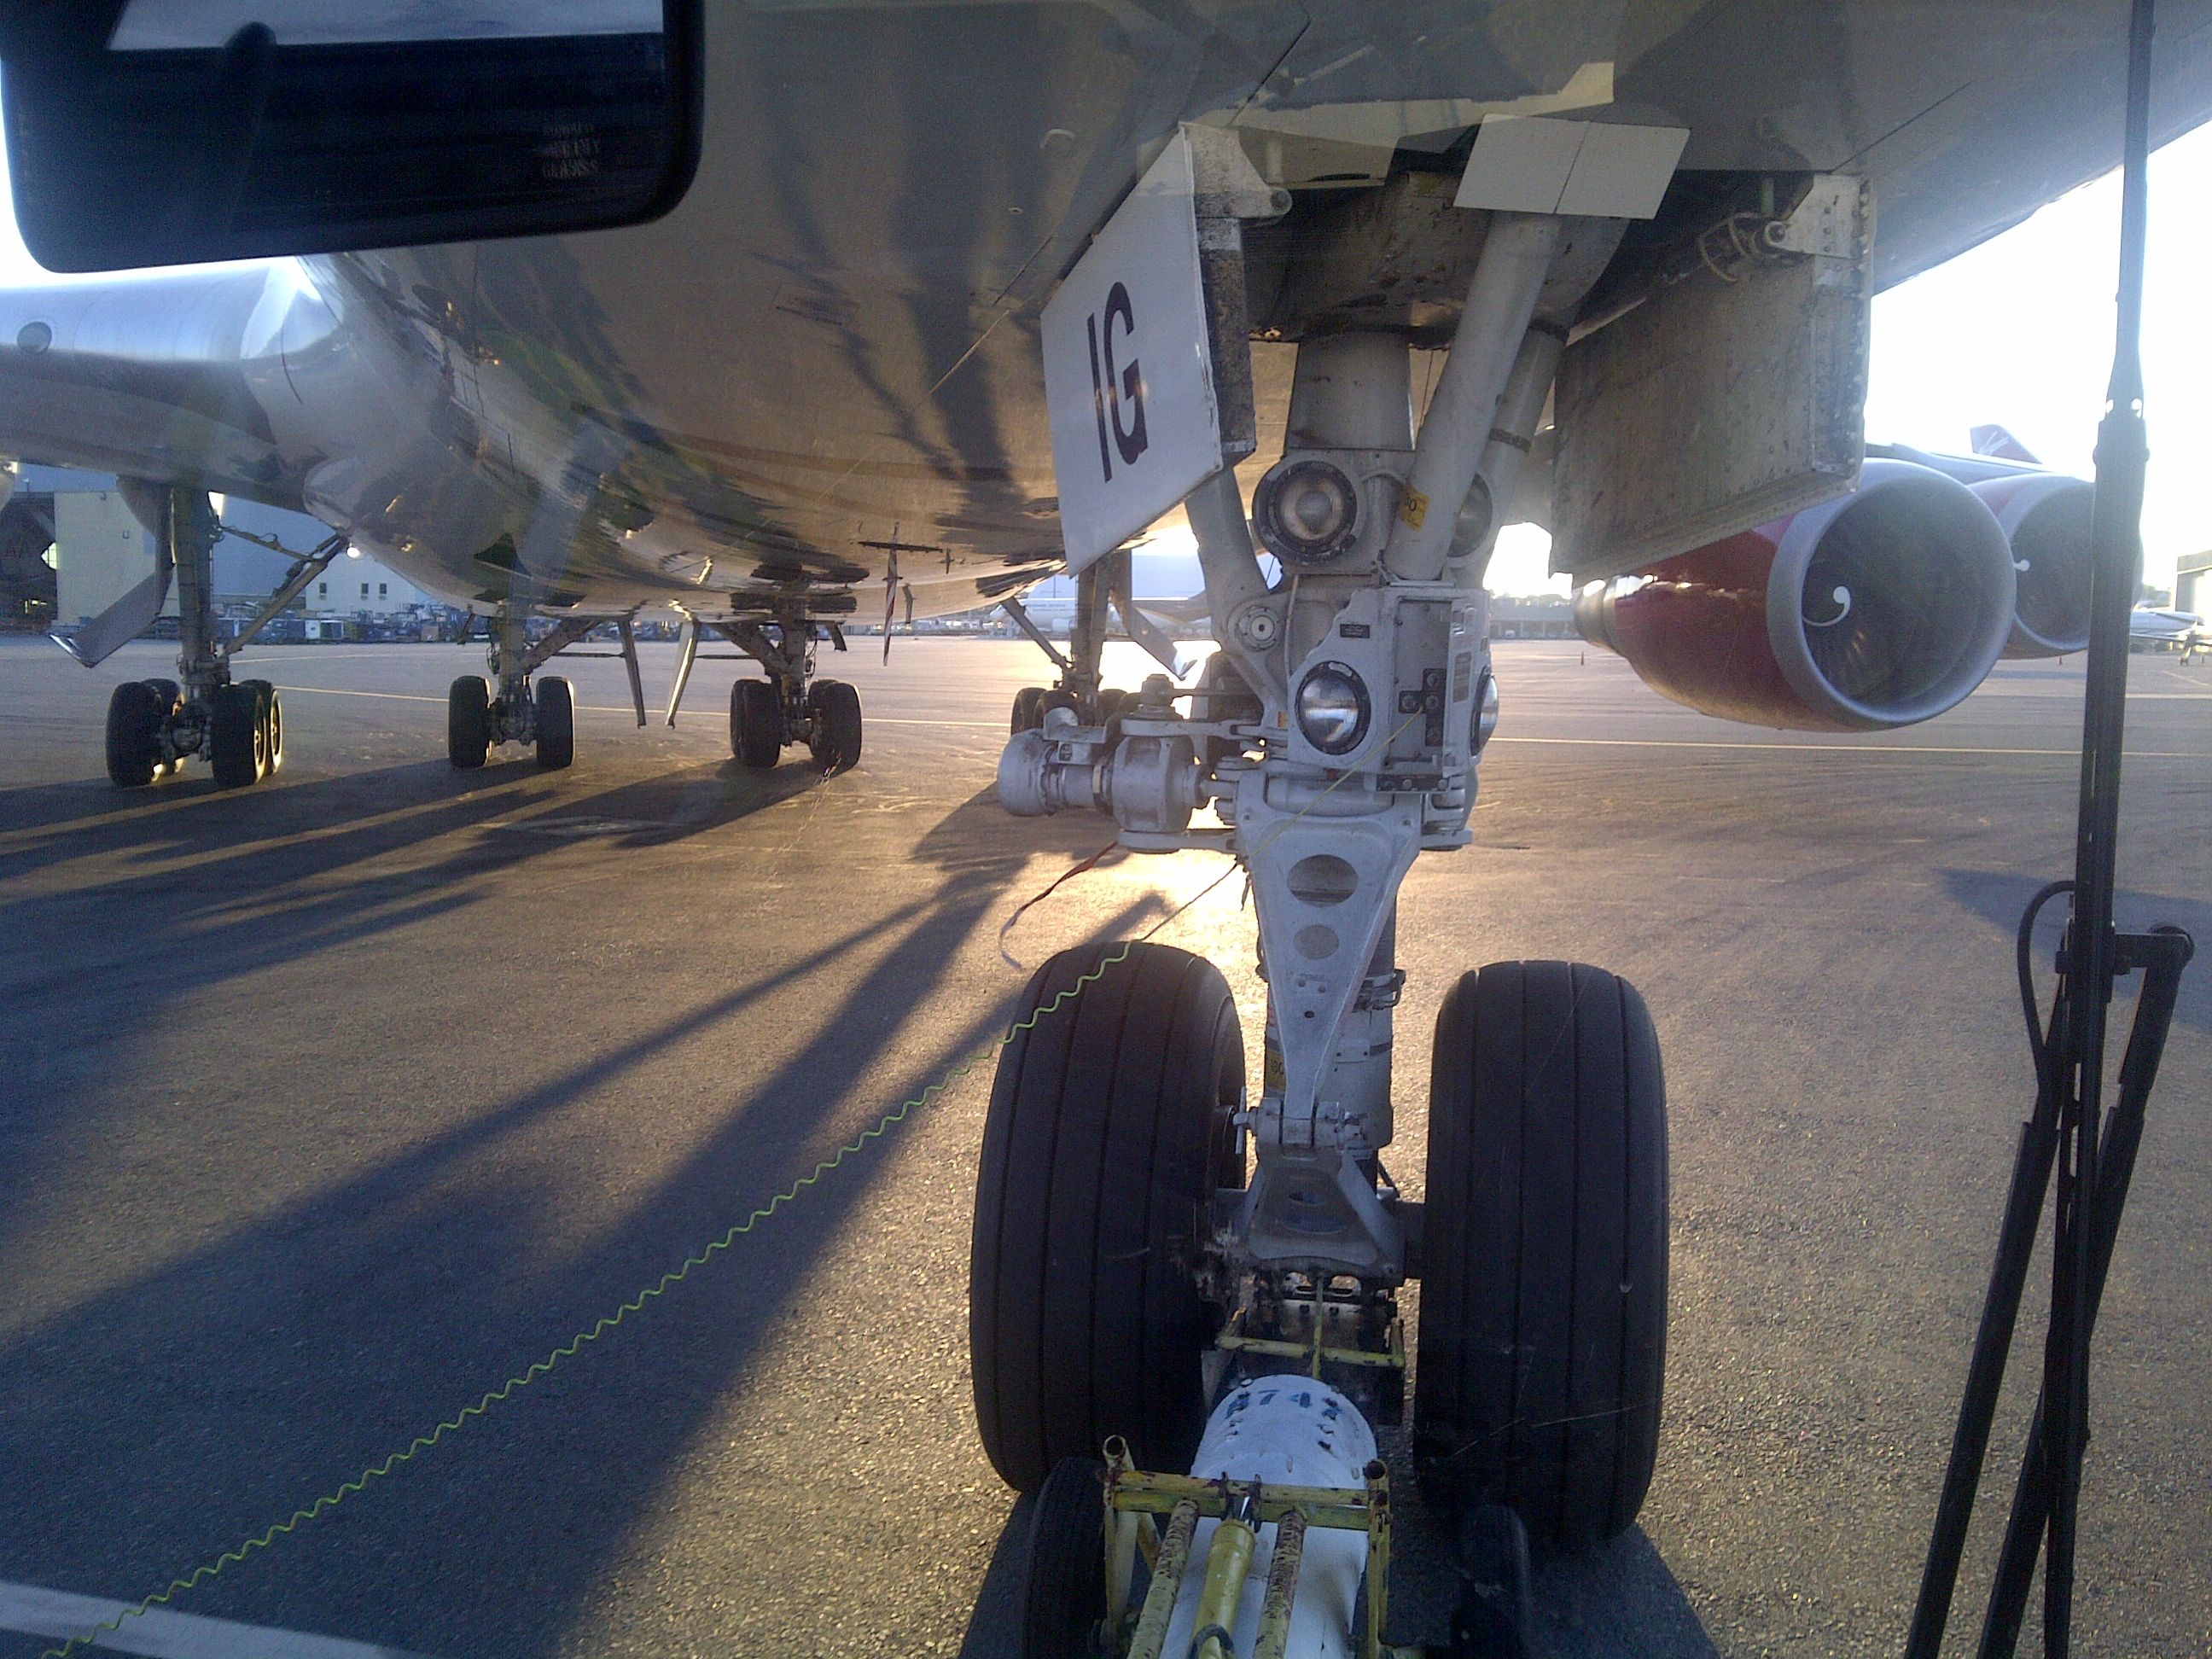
1877, 609
2045, 518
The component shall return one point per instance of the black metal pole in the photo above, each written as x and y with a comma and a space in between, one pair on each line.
2067, 1129
2023, 1218
2122, 455
2162, 954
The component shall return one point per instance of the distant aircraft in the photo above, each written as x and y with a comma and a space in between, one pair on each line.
2151, 626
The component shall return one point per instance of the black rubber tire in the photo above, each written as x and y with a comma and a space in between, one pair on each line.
1101, 1152
756, 724
1062, 1585
271, 713
555, 701
1110, 699
172, 697
134, 712
1028, 714
237, 742
1053, 698
835, 708
468, 721
1543, 1330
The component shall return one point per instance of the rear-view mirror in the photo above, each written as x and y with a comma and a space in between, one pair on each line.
146, 132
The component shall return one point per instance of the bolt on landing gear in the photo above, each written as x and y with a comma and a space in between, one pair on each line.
791, 706
1205, 1279
537, 711
155, 726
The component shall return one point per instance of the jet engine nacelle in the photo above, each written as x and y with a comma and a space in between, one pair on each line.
2046, 516
1877, 609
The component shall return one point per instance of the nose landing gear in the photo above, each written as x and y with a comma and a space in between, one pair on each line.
1128, 1276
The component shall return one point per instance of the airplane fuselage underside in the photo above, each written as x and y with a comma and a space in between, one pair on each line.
816, 383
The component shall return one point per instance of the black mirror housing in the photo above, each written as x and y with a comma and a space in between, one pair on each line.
253, 147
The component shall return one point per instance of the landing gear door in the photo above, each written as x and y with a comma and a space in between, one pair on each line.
1129, 367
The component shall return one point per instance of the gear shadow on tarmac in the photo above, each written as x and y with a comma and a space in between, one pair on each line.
162, 1419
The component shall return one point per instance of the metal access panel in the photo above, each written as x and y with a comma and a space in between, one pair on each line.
100, 552
1724, 400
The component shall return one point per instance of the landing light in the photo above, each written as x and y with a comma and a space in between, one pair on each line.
1333, 708
1486, 709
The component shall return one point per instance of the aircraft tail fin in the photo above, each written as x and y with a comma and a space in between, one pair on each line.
2000, 444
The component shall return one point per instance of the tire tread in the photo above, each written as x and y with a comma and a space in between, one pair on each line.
1541, 1346
1083, 1317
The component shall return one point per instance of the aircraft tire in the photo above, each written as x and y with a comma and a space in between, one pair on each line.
1051, 698
1543, 1326
756, 724
1059, 1594
555, 701
135, 712
237, 738
835, 707
1106, 1136
468, 721
1027, 716
269, 709
1110, 699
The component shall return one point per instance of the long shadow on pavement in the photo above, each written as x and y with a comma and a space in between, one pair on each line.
1999, 897
160, 1421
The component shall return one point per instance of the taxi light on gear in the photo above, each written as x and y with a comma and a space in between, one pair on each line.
1486, 709
1307, 511
1333, 708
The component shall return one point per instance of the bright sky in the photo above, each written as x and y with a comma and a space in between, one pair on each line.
2019, 333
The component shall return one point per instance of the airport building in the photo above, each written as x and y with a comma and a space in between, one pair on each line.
1168, 574
69, 546
1532, 616
2192, 583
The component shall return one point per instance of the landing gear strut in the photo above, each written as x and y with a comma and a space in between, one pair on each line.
536, 710
1156, 1274
1099, 586
791, 706
155, 726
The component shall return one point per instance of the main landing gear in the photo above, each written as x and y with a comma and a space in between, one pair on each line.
791, 706
538, 711
155, 726
1078, 689
1185, 1289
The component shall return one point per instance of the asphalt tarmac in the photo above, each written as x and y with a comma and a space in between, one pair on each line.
327, 1106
